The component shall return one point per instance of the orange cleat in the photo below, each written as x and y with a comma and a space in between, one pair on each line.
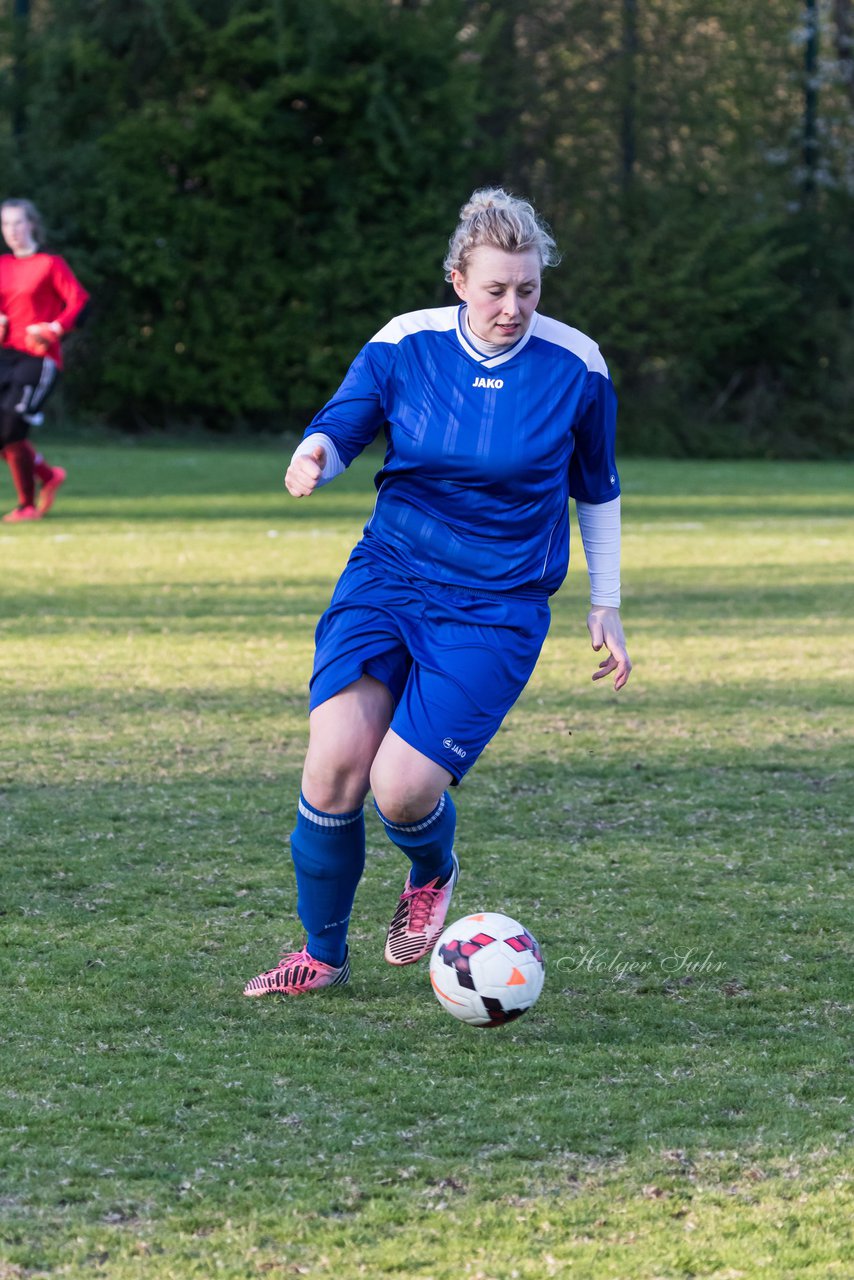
419, 919
21, 513
49, 490
297, 973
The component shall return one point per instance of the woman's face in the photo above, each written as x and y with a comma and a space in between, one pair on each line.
17, 230
502, 291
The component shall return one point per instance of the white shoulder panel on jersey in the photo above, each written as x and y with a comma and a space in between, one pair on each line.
436, 319
563, 335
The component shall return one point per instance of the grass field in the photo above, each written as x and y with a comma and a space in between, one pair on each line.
679, 1102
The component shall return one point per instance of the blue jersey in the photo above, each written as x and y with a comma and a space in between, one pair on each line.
483, 452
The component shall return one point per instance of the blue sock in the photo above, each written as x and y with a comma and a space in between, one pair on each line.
328, 850
427, 843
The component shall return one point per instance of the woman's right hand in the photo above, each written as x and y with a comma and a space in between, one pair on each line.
305, 471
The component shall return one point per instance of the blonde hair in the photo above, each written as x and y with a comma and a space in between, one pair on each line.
494, 217
32, 214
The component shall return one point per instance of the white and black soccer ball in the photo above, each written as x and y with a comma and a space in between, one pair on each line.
487, 969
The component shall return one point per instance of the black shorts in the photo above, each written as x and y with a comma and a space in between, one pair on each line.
25, 383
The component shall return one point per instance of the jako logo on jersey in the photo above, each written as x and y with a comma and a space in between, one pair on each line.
452, 746
491, 384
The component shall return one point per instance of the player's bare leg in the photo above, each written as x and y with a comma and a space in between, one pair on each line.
345, 734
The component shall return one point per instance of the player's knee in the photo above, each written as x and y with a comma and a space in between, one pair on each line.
334, 786
401, 798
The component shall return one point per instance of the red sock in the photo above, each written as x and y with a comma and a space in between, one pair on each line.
20, 459
43, 470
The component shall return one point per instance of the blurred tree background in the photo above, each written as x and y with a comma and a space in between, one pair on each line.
250, 188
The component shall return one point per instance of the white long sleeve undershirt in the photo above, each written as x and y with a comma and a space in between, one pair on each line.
599, 523
333, 466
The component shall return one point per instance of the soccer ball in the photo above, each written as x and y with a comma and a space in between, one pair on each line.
487, 969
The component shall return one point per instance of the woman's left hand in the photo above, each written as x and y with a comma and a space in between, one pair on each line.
606, 629
39, 338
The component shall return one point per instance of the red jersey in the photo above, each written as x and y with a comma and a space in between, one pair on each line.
36, 290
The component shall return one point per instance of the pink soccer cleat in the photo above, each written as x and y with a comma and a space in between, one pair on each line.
21, 513
49, 490
296, 973
419, 918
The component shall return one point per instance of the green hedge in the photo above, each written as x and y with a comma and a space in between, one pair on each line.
251, 188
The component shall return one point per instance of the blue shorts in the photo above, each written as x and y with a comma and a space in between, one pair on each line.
454, 660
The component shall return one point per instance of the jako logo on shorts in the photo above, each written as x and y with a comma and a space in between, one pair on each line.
491, 384
452, 746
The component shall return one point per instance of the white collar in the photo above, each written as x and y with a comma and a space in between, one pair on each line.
482, 352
